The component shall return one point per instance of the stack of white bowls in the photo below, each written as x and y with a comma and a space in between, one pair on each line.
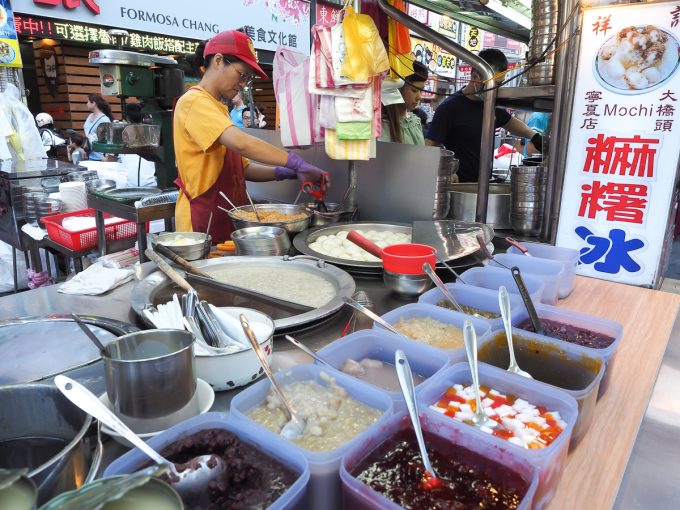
73, 195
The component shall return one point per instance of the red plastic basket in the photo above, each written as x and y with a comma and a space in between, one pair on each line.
87, 238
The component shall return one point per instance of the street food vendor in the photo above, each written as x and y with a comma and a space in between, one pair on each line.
212, 154
457, 122
400, 124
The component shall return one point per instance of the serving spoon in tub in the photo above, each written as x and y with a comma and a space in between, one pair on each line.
296, 425
504, 303
480, 418
190, 479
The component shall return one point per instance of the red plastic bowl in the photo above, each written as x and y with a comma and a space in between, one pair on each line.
408, 258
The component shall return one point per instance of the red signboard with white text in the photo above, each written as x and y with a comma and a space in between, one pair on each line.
623, 142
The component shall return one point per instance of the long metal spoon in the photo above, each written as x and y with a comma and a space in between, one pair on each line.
371, 315
407, 388
451, 270
504, 303
193, 477
253, 206
296, 425
307, 350
480, 419
442, 288
90, 334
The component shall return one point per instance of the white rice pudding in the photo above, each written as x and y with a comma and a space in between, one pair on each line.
332, 417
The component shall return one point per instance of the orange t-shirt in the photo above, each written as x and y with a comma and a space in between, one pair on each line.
198, 122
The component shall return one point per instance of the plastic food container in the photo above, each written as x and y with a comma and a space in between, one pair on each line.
582, 320
550, 460
424, 360
475, 297
492, 277
420, 310
550, 272
324, 485
283, 452
359, 496
568, 257
560, 364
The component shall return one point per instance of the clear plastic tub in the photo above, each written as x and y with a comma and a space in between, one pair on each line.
324, 485
457, 319
380, 345
491, 277
293, 498
565, 366
550, 460
475, 297
568, 257
582, 320
550, 272
359, 496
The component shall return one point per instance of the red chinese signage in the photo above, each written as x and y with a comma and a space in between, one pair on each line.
327, 14
71, 4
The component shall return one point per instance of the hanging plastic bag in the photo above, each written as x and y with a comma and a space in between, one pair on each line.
366, 55
348, 149
299, 110
399, 41
322, 61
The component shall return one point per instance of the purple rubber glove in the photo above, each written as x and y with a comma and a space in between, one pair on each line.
298, 168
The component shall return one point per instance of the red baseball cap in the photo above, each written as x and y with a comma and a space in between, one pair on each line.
238, 44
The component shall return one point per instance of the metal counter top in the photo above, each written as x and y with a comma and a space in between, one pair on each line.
11, 169
648, 481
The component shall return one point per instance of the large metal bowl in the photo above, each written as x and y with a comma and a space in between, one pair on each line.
293, 227
40, 429
198, 249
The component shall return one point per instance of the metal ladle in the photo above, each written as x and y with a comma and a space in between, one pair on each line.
371, 315
307, 350
440, 285
480, 419
257, 215
296, 425
504, 303
405, 377
188, 480
88, 332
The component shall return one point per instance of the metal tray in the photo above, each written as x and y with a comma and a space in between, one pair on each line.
363, 269
304, 239
37, 348
157, 288
127, 195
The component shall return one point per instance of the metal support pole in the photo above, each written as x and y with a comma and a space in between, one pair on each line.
566, 81
489, 116
350, 201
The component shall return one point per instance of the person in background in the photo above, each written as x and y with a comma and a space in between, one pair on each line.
140, 171
238, 109
400, 125
457, 122
100, 112
248, 121
538, 121
246, 116
212, 154
49, 136
75, 150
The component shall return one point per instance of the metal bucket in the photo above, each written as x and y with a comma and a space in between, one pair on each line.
464, 204
150, 374
43, 431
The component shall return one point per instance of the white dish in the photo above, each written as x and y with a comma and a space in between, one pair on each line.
206, 398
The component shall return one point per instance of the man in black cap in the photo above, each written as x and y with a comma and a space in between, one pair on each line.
457, 123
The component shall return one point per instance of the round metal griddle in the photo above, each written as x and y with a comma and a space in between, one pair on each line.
365, 269
157, 288
37, 348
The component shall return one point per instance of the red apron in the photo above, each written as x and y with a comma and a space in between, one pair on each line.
232, 182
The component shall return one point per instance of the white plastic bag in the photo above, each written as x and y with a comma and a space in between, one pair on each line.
28, 137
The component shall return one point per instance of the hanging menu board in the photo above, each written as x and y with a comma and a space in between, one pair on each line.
624, 141
10, 56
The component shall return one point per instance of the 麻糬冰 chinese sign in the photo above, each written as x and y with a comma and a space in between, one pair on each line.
624, 141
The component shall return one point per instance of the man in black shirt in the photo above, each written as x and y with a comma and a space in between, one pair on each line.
457, 123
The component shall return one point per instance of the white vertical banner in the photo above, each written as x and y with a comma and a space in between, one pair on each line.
624, 141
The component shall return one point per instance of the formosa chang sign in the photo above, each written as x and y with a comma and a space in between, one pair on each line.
270, 23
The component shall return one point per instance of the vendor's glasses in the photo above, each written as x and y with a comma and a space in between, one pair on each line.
245, 78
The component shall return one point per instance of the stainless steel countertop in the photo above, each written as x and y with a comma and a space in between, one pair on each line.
648, 482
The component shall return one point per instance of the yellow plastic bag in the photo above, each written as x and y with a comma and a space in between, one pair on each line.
366, 55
